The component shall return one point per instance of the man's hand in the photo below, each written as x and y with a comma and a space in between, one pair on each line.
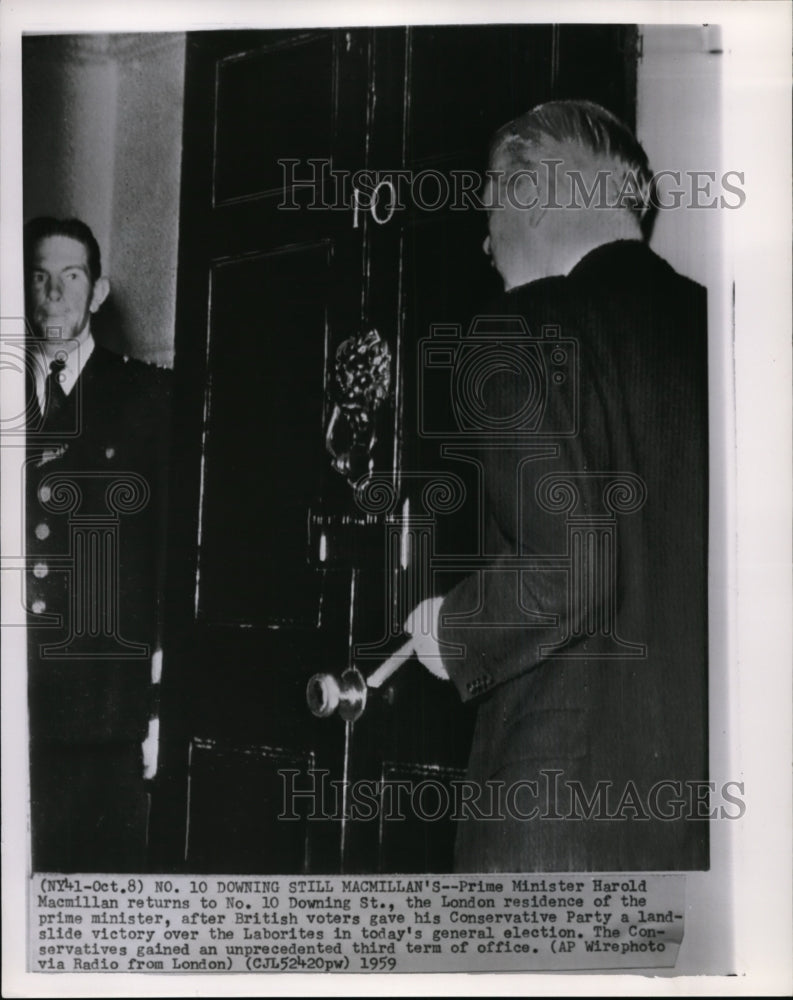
422, 627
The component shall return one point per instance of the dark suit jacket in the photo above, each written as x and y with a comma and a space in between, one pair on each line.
590, 669
95, 492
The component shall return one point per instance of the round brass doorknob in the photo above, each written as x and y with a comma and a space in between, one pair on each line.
325, 695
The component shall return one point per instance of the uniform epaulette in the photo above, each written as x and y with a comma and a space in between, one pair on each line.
150, 365
147, 371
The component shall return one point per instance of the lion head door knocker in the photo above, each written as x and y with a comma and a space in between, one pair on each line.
361, 383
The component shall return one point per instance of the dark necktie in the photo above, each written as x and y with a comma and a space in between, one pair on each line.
54, 396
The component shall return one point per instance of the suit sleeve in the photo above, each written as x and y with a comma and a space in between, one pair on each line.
502, 619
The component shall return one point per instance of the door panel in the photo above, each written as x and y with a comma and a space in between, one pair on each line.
267, 351
235, 790
252, 121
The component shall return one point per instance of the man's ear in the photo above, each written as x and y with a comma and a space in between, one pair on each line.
536, 215
528, 197
101, 292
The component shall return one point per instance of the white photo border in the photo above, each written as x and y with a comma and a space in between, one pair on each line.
756, 717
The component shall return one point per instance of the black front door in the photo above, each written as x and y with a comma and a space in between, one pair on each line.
279, 568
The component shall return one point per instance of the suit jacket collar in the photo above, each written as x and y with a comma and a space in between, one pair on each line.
621, 259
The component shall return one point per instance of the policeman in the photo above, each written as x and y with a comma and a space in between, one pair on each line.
97, 439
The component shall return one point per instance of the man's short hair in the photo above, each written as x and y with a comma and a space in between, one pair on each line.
588, 126
43, 227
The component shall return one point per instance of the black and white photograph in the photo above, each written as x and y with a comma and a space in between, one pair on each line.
396, 536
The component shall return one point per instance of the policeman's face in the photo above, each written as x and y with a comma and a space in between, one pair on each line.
61, 292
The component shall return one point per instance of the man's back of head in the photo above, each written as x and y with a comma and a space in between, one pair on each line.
567, 177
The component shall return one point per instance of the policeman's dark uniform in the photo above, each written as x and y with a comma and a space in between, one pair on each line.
95, 480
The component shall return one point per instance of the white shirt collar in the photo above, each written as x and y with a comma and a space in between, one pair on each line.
74, 353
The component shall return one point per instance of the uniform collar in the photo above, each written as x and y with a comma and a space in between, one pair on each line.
75, 354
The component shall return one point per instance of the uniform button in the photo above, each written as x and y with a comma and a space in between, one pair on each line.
110, 452
44, 494
39, 607
42, 531
40, 570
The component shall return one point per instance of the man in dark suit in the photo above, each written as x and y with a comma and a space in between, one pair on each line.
583, 637
97, 434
